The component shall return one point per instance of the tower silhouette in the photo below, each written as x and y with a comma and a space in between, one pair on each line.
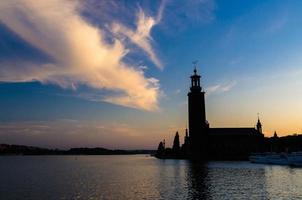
197, 118
202, 143
259, 126
176, 144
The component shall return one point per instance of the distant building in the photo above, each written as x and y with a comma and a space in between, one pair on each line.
176, 143
202, 142
217, 143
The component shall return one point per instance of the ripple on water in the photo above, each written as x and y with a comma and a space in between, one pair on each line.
142, 177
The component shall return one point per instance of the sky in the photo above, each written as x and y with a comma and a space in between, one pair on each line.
116, 74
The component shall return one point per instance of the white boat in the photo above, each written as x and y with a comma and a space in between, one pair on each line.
278, 159
295, 158
258, 158
270, 158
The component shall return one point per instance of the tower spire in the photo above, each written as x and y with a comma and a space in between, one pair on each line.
195, 66
195, 79
259, 125
186, 132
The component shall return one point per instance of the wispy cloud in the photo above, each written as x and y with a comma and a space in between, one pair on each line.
219, 88
235, 61
277, 23
141, 36
79, 51
70, 133
177, 91
179, 15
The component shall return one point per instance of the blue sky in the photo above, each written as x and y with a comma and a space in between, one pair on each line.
116, 73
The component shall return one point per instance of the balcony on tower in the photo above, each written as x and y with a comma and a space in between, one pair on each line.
195, 82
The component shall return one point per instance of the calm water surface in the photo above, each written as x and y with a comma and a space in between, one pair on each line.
142, 177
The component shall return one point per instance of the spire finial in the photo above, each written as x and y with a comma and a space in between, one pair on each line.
195, 66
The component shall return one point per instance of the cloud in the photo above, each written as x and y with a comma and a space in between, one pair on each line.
79, 52
70, 133
143, 67
219, 88
180, 15
235, 61
277, 23
177, 91
141, 36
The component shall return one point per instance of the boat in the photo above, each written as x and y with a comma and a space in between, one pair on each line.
258, 158
270, 158
293, 159
277, 159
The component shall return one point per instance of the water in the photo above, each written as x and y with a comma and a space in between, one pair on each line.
142, 177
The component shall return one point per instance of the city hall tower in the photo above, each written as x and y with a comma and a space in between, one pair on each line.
197, 119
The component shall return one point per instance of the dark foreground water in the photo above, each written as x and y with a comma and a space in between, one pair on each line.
142, 177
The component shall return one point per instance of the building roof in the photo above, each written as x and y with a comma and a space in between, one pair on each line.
233, 131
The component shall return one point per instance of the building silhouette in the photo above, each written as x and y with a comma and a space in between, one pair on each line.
176, 143
217, 143
202, 142
198, 126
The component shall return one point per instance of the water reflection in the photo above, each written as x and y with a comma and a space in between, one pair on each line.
142, 177
283, 182
197, 181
